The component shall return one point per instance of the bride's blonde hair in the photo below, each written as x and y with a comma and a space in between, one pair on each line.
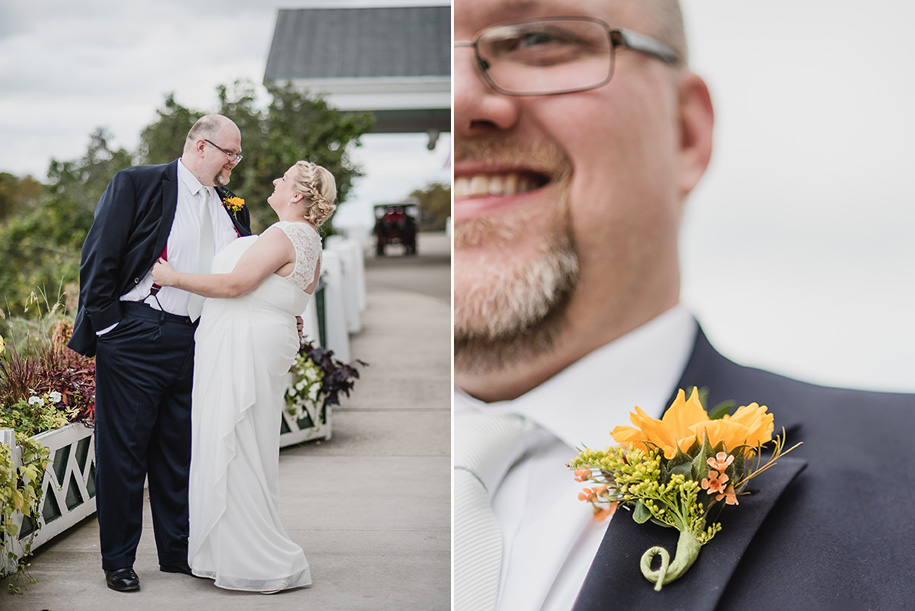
320, 190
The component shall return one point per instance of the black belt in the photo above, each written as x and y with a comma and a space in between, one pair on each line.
143, 310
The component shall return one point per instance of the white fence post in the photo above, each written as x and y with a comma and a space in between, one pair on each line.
351, 280
336, 335
310, 325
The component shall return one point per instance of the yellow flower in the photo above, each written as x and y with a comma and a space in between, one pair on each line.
233, 205
686, 421
672, 431
2, 345
760, 424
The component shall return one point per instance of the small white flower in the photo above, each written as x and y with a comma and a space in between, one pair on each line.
33, 400
54, 396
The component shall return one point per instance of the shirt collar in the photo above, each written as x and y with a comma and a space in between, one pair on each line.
188, 180
583, 403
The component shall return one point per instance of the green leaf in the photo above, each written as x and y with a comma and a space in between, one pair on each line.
700, 462
683, 469
721, 410
640, 513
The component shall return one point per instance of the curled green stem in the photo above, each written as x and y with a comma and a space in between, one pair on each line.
687, 551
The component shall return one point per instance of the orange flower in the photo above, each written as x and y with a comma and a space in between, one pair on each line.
582, 475
592, 494
729, 496
601, 514
671, 432
686, 421
721, 461
715, 483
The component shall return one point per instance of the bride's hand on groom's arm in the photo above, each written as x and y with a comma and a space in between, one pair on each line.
163, 273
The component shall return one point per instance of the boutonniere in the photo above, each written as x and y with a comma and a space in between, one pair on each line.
676, 470
233, 204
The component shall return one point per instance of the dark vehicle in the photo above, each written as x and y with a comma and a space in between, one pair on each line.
396, 224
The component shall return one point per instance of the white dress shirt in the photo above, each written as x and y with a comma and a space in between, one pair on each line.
549, 535
183, 241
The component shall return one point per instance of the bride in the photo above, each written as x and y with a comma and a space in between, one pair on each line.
246, 343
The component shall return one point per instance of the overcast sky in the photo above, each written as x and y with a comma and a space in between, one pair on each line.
67, 68
798, 244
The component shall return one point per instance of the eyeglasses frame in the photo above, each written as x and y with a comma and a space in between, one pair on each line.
619, 37
229, 155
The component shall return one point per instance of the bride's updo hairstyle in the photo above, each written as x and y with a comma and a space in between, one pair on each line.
320, 190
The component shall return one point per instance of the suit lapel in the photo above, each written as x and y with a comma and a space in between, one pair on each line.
241, 220
615, 580
169, 205
728, 381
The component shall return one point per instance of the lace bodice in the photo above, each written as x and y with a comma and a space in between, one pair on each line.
307, 245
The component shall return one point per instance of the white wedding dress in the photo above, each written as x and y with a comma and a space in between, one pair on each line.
245, 347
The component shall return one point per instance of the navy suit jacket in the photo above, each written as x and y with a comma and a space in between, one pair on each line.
830, 526
132, 221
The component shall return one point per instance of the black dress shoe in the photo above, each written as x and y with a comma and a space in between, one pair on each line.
122, 580
176, 567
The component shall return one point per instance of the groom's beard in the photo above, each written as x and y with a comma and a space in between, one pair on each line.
511, 310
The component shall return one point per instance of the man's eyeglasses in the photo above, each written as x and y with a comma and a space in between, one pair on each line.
232, 156
555, 55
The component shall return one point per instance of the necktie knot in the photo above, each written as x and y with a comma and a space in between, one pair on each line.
487, 445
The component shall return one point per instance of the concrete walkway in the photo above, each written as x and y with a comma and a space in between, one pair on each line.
371, 507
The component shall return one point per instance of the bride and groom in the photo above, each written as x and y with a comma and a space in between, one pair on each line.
201, 424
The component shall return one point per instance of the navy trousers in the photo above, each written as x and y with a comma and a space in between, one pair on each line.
144, 373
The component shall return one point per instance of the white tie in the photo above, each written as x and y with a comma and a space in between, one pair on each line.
485, 447
204, 252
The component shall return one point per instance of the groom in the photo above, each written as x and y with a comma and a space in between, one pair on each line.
143, 339
576, 145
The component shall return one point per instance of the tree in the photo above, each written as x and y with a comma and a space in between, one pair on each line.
41, 247
293, 126
17, 195
434, 206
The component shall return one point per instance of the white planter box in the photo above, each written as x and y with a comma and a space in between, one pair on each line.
68, 489
314, 424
